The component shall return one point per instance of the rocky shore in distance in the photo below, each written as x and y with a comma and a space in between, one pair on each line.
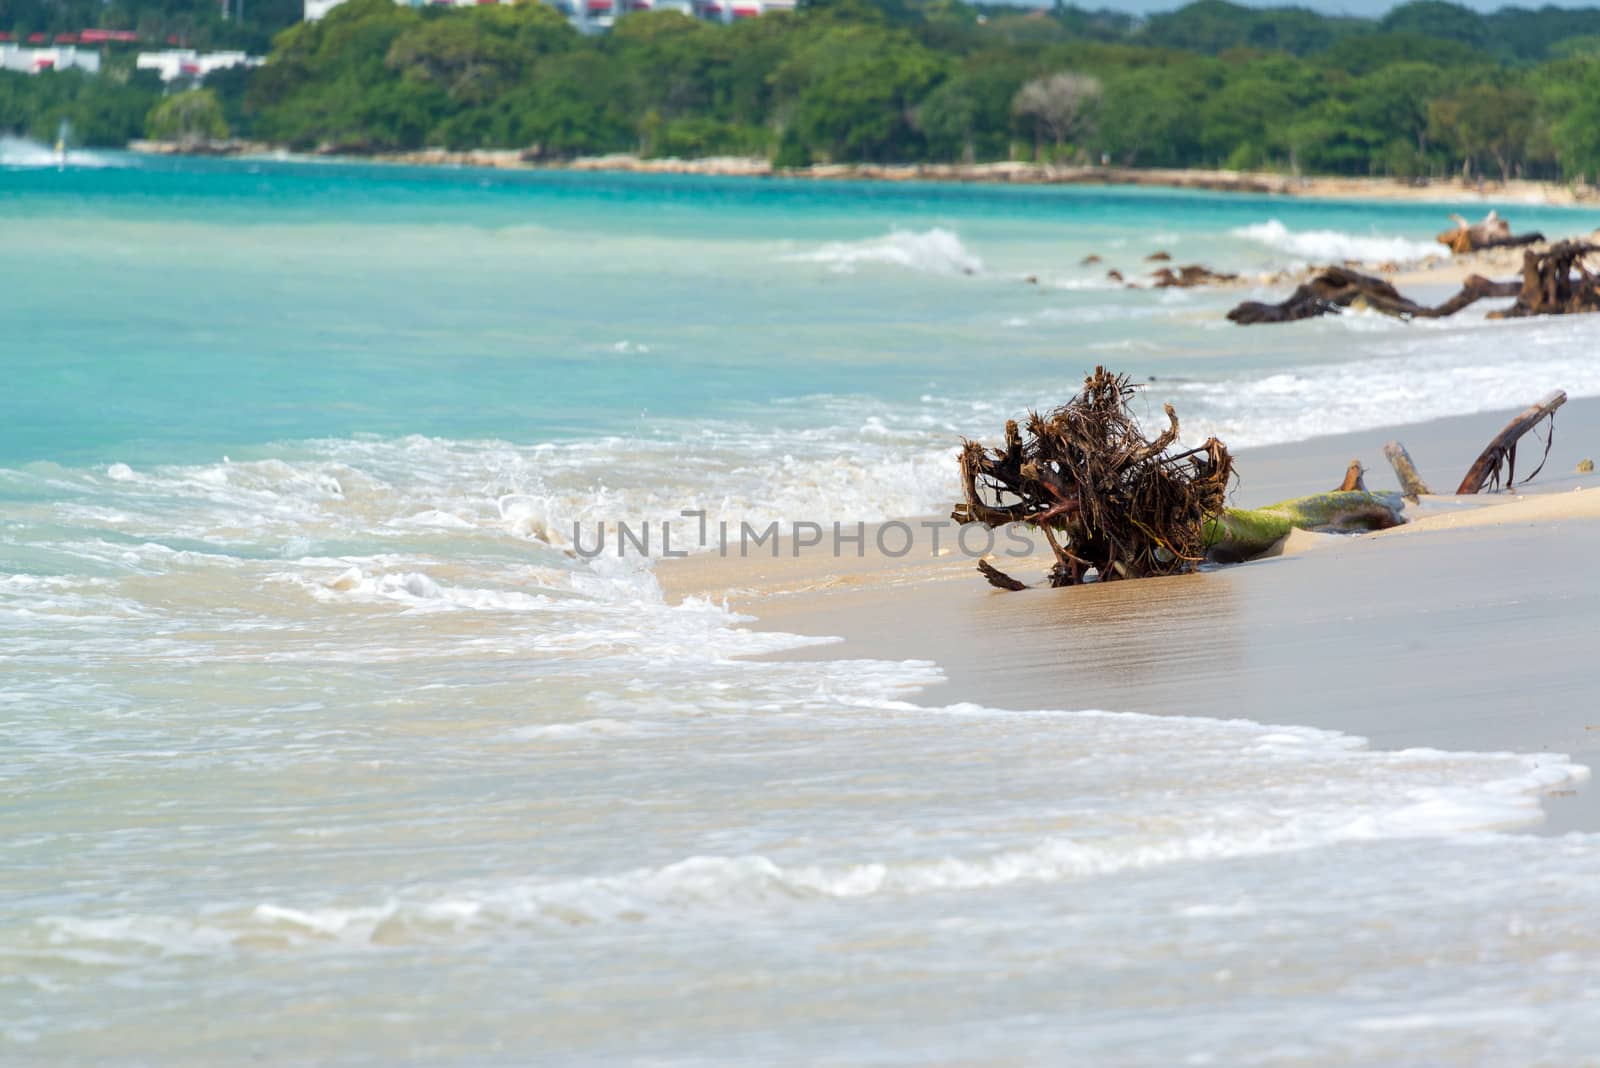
1016, 173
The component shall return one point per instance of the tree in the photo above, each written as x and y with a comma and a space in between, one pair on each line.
1485, 120
1148, 113
852, 92
968, 117
1058, 106
1569, 96
189, 117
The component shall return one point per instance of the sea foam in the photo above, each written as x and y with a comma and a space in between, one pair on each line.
935, 251
1336, 246
22, 153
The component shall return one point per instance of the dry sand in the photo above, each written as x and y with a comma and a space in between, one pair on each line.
1477, 627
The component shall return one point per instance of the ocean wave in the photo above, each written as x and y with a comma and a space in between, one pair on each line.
935, 251
1336, 246
1253, 790
30, 155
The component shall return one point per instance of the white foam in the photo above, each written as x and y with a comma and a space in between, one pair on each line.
1336, 246
1252, 790
1417, 371
22, 153
588, 728
935, 251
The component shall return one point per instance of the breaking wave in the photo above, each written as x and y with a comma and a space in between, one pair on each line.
1333, 246
935, 251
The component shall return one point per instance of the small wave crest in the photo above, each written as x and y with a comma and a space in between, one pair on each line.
1331, 246
935, 251
22, 153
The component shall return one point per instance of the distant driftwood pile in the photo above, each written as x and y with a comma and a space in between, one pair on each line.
1555, 281
1491, 232
1114, 504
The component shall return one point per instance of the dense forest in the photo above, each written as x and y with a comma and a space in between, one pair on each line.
1430, 89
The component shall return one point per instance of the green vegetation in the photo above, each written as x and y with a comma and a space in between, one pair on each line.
104, 110
1430, 89
190, 116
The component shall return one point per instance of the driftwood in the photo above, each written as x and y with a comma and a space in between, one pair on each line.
1492, 232
1555, 281
1485, 470
1187, 276
1337, 288
1352, 478
1240, 533
1549, 286
1411, 484
1116, 503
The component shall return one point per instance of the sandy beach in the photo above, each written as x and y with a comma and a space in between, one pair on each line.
1470, 628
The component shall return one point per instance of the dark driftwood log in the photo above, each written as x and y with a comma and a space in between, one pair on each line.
1486, 469
1556, 281
999, 579
1411, 484
1492, 232
1511, 241
1187, 276
1337, 288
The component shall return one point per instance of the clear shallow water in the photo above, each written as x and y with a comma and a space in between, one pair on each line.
317, 746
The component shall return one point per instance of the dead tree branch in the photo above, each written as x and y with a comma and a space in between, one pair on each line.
1503, 449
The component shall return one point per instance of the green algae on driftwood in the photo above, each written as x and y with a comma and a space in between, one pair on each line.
1241, 533
1117, 504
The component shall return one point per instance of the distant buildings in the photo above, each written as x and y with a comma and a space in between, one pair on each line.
593, 15
68, 53
27, 60
175, 63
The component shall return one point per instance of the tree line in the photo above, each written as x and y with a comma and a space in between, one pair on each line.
1430, 89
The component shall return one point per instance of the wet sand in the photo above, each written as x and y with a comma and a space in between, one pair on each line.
1476, 627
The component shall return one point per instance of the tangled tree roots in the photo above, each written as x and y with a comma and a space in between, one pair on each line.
1107, 498
1116, 503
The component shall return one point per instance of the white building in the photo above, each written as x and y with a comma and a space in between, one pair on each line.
59, 57
175, 63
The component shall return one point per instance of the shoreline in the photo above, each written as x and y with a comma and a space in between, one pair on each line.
1469, 629
1314, 187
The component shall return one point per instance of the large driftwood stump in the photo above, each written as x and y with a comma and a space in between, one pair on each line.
1556, 281
1119, 505
1108, 499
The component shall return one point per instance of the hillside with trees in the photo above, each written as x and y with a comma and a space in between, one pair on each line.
1431, 89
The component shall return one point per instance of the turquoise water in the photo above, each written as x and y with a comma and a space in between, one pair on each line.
317, 745
158, 308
